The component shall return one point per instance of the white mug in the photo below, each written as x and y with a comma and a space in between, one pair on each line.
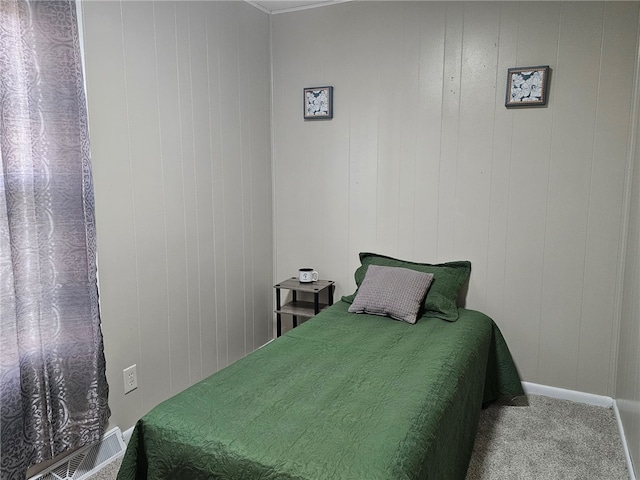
306, 275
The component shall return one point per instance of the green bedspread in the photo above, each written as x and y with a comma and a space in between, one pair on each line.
343, 396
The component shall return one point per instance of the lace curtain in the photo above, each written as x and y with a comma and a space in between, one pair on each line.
52, 369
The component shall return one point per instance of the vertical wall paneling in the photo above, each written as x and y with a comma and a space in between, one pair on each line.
199, 73
628, 372
605, 196
501, 165
184, 132
440, 170
429, 102
393, 85
449, 131
216, 116
232, 163
173, 192
360, 198
179, 118
114, 217
475, 153
627, 379
567, 201
335, 168
147, 201
258, 158
408, 161
422, 161
529, 137
247, 192
314, 159
292, 247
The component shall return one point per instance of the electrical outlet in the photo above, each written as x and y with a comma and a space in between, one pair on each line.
130, 378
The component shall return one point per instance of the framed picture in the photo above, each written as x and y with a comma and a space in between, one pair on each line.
527, 86
318, 103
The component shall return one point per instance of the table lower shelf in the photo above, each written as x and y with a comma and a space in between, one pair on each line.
300, 309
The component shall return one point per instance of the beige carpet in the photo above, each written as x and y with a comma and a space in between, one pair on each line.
534, 438
539, 437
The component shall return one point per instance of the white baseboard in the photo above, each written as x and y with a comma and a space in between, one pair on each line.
571, 395
627, 454
589, 399
266, 343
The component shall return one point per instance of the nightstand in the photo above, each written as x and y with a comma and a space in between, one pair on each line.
300, 308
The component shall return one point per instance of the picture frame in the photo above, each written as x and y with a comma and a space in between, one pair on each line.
318, 103
527, 86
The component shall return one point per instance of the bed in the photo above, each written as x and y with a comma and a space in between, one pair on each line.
343, 396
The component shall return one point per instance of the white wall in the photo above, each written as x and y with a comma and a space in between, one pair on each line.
423, 161
628, 373
179, 111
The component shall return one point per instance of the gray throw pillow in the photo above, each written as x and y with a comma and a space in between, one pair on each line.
392, 291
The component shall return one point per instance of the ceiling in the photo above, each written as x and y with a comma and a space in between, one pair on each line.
282, 6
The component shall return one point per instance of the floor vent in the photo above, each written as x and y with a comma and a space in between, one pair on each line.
88, 460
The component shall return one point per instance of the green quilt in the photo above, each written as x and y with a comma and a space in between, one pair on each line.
343, 396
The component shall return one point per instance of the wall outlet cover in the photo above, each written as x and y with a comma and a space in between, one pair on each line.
130, 378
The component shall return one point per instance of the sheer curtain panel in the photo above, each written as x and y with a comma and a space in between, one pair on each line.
52, 368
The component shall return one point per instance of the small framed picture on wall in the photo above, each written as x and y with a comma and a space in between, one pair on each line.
527, 86
318, 103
